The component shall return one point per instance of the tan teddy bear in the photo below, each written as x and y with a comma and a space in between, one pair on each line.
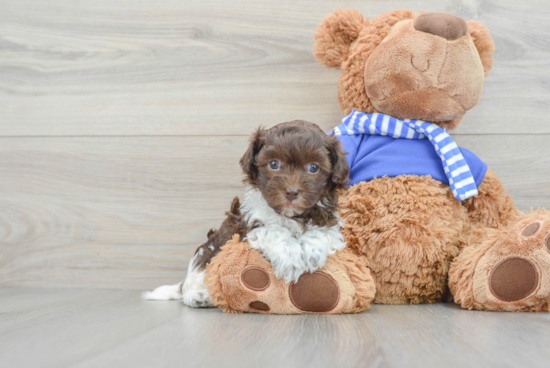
414, 234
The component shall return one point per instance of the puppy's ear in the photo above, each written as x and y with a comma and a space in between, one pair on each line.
248, 161
484, 44
340, 169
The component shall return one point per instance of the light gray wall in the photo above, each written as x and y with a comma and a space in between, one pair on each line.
121, 122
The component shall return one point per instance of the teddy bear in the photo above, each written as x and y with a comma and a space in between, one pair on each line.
425, 221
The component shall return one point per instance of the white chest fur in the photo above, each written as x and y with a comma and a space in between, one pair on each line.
291, 249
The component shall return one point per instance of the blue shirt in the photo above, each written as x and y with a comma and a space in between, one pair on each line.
374, 156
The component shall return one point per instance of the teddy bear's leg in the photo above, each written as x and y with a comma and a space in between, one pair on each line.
408, 229
509, 270
506, 265
240, 280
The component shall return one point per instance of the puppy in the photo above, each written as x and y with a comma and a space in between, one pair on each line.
294, 172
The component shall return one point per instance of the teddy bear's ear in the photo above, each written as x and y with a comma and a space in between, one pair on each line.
484, 44
335, 35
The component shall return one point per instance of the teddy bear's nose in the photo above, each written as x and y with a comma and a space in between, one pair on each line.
443, 25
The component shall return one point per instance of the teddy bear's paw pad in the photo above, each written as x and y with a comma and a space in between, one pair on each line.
514, 278
531, 229
315, 292
256, 279
259, 306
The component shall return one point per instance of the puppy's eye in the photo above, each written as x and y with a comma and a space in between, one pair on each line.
313, 169
274, 165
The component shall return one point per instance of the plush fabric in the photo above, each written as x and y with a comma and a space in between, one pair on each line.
408, 229
407, 239
447, 26
470, 276
352, 93
379, 145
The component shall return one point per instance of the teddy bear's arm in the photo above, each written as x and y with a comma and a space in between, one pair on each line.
492, 207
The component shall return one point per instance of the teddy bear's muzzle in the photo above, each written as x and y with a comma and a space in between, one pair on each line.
447, 26
427, 69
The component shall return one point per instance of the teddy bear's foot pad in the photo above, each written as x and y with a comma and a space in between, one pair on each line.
315, 292
255, 278
513, 279
261, 306
510, 271
516, 278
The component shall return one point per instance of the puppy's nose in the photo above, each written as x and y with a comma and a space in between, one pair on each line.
448, 26
292, 193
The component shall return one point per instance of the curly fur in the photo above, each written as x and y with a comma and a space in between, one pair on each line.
361, 277
335, 35
292, 248
408, 229
492, 207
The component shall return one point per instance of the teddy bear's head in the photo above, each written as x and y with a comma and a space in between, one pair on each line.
427, 66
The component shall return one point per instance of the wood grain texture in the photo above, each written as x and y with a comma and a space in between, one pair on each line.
110, 212
47, 328
122, 121
75, 328
129, 212
217, 67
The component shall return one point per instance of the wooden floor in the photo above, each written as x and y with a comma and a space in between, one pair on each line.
105, 328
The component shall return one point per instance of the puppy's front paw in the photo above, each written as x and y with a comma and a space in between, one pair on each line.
197, 299
289, 272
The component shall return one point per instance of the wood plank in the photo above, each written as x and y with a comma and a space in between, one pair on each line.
129, 212
384, 336
64, 332
22, 305
93, 211
209, 67
116, 328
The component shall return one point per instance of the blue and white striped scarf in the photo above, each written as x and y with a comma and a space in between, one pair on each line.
458, 172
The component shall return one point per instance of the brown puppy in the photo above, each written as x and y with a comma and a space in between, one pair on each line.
293, 174
298, 169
